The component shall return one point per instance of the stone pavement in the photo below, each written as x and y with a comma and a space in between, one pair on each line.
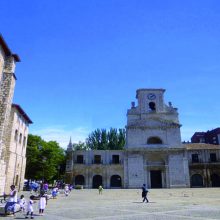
125, 204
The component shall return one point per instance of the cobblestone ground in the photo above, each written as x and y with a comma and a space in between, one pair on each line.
122, 204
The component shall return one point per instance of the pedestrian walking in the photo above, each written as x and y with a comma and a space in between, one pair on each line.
22, 203
30, 209
42, 203
144, 193
100, 189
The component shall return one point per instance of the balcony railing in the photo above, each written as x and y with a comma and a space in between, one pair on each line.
214, 161
200, 161
113, 162
195, 161
97, 162
79, 162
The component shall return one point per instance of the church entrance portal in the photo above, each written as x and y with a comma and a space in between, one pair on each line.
97, 181
156, 179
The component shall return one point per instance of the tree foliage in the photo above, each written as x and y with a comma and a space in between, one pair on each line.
45, 160
101, 139
80, 146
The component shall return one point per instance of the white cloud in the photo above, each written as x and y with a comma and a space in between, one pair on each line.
62, 135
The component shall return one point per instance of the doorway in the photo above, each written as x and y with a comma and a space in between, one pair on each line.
156, 179
97, 181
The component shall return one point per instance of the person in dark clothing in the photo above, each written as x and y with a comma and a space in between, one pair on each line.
144, 193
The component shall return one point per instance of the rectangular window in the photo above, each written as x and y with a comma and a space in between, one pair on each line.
24, 141
16, 135
202, 140
213, 157
16, 180
195, 158
115, 159
79, 159
97, 159
20, 138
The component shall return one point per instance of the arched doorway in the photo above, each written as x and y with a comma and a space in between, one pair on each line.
96, 181
196, 180
115, 181
215, 180
80, 180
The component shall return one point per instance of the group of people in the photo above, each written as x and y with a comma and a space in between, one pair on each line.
14, 204
27, 206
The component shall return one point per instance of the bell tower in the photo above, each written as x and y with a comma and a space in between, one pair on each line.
152, 122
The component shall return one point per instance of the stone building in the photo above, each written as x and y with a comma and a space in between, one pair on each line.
15, 157
208, 137
153, 153
204, 164
8, 111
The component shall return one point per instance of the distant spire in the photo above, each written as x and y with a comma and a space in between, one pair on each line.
70, 145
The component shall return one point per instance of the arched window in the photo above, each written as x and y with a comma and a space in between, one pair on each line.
115, 181
152, 106
154, 140
80, 180
196, 180
96, 181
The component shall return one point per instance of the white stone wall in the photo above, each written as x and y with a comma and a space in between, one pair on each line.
16, 152
178, 170
137, 138
135, 171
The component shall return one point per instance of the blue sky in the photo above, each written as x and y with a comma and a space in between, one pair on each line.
82, 61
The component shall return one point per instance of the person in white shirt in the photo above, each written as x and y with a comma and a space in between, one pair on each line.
13, 199
42, 203
30, 209
22, 203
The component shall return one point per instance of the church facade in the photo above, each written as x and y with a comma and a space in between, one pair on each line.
153, 154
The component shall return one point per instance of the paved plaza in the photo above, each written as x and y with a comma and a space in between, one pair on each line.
118, 204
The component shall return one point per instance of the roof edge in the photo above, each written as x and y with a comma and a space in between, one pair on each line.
7, 50
22, 112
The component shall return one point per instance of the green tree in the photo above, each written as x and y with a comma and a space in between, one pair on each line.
45, 160
80, 146
100, 139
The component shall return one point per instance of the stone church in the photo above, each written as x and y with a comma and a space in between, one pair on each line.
153, 153
14, 124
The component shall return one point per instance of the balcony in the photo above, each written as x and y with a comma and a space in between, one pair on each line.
79, 162
214, 161
113, 162
97, 161
196, 161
